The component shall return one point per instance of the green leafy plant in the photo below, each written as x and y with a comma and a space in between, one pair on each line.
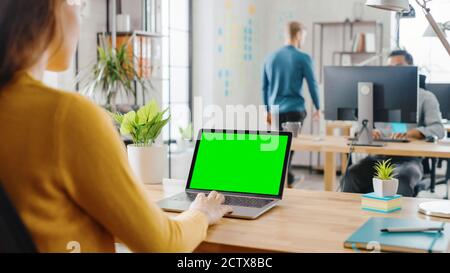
385, 170
113, 73
187, 133
145, 125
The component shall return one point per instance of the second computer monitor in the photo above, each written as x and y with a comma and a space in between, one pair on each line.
442, 92
396, 92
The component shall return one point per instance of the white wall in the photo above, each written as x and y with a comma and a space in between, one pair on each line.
269, 19
311, 11
215, 52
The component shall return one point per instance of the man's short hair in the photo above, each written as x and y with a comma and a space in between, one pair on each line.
408, 57
293, 28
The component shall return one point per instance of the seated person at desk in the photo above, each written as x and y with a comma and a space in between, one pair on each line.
62, 163
409, 170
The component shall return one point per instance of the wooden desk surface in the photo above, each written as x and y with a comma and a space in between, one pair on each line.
305, 221
338, 144
339, 125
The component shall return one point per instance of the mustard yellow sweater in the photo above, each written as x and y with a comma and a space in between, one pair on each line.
65, 169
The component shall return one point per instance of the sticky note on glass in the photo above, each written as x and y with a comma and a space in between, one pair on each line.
399, 127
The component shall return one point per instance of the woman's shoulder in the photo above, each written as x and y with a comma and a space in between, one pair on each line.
68, 105
35, 90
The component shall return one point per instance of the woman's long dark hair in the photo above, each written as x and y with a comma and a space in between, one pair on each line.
26, 29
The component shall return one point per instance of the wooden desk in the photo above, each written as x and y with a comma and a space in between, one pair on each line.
330, 145
305, 221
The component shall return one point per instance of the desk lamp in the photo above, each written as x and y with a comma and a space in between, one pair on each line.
403, 5
429, 32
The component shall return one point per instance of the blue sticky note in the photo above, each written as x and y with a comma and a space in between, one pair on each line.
399, 127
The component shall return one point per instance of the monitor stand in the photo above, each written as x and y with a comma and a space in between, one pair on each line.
365, 115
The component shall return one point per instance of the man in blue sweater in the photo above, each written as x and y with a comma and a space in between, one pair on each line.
283, 77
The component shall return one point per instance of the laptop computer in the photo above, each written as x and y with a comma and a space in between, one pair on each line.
247, 167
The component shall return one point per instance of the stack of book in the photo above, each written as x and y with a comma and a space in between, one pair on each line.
140, 51
372, 202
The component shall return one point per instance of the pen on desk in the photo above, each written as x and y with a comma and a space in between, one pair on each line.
410, 230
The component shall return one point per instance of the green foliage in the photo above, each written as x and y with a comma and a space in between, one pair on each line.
187, 133
114, 72
145, 125
385, 170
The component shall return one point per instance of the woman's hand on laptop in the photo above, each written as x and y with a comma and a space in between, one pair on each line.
212, 206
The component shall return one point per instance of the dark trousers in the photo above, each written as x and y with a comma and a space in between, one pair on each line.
291, 117
409, 172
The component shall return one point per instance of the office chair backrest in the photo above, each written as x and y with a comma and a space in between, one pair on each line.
14, 237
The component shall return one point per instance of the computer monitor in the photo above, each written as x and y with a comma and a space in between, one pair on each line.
395, 94
442, 92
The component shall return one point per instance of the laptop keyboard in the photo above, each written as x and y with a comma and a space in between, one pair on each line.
240, 201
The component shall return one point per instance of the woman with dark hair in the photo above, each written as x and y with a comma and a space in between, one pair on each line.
61, 161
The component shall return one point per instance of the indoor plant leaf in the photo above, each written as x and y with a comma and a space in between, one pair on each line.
128, 123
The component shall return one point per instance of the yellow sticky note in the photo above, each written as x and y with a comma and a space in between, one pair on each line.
228, 4
252, 9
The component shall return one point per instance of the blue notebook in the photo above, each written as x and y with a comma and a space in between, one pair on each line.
369, 237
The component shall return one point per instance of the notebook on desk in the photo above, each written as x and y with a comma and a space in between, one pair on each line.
370, 237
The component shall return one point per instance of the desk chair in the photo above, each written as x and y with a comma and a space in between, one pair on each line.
430, 165
14, 237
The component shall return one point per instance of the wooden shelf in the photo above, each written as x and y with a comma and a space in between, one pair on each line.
136, 32
354, 53
349, 29
343, 23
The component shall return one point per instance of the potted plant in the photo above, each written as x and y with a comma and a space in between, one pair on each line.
112, 75
146, 158
385, 184
186, 136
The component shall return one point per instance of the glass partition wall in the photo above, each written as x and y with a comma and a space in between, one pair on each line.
172, 18
168, 24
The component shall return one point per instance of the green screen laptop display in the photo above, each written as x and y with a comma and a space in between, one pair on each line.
241, 163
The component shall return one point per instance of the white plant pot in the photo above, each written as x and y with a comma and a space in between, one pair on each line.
385, 188
148, 163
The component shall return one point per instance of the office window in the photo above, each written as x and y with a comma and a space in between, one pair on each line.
176, 44
428, 52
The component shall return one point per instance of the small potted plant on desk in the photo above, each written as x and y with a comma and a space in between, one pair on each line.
146, 158
385, 184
